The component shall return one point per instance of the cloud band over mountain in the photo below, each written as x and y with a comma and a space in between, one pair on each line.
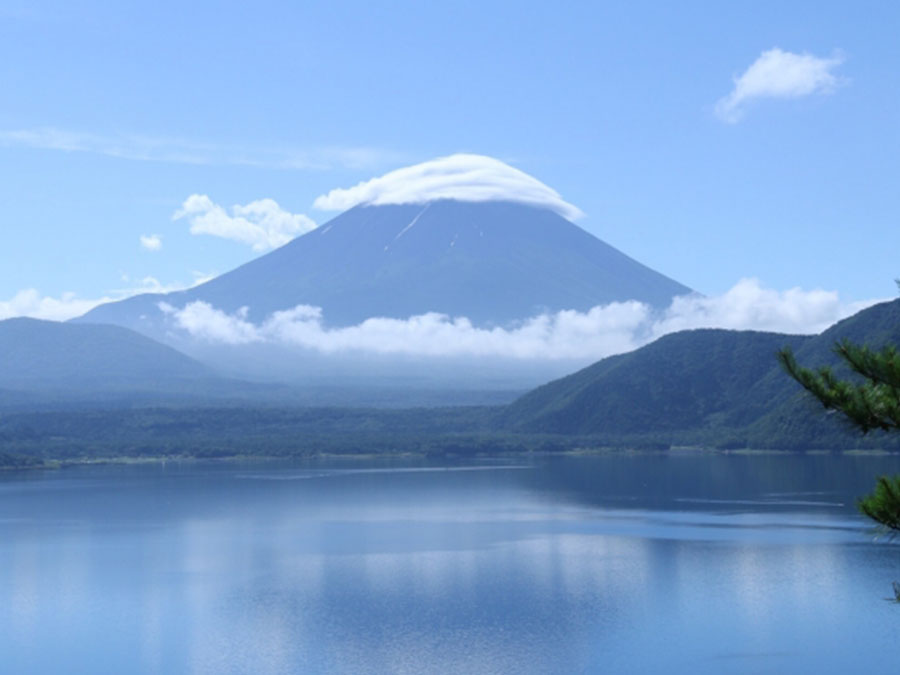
464, 177
599, 332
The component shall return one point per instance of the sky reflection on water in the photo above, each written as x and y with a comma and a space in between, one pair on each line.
612, 564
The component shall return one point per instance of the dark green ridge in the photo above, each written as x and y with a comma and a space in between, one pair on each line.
714, 381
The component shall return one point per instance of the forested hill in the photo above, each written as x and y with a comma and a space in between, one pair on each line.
794, 419
719, 386
682, 381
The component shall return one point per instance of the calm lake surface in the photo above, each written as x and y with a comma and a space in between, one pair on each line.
626, 564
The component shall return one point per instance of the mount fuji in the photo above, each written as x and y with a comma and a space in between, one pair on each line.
493, 262
461, 271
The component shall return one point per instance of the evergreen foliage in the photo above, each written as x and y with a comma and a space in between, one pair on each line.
870, 401
883, 505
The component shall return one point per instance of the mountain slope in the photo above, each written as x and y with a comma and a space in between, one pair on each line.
776, 393
493, 262
49, 363
682, 381
39, 354
721, 383
791, 416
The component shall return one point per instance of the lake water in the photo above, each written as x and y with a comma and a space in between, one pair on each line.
627, 564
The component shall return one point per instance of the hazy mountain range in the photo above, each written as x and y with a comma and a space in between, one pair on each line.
37, 353
702, 387
492, 262
48, 363
711, 388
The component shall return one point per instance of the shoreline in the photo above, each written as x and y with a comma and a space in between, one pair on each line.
54, 464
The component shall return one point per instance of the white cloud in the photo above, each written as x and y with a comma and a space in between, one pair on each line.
151, 242
203, 322
261, 224
151, 284
202, 277
465, 177
780, 74
137, 147
591, 335
750, 306
602, 330
30, 303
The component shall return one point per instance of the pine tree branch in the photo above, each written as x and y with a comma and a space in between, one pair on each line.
870, 405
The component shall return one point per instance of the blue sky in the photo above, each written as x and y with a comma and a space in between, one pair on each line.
114, 115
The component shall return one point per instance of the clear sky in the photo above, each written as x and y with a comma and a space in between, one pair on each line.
114, 114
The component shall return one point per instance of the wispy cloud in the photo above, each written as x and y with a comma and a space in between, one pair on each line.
150, 284
780, 74
591, 335
261, 224
31, 303
151, 242
138, 147
465, 177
